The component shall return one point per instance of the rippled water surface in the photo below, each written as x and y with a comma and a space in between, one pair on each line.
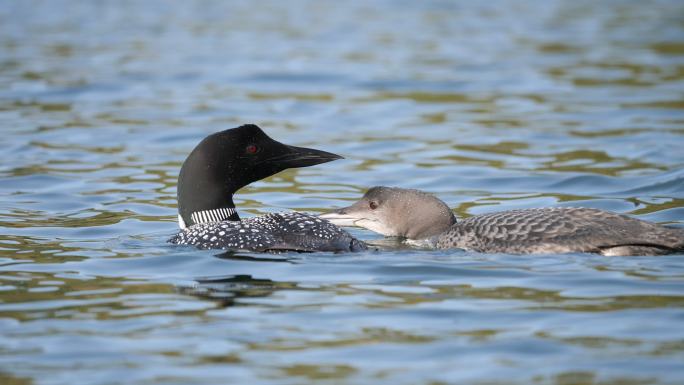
490, 105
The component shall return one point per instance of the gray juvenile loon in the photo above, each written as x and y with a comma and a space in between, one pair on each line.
228, 160
426, 220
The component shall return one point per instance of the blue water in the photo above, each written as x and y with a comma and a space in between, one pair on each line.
489, 105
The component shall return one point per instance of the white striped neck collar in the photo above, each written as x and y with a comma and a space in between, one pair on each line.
207, 216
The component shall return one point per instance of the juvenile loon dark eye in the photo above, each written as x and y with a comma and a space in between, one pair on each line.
373, 205
252, 149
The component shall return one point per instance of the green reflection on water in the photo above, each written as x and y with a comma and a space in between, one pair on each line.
591, 378
48, 296
31, 219
38, 250
8, 379
42, 106
426, 97
85, 148
597, 162
319, 372
364, 336
296, 96
669, 48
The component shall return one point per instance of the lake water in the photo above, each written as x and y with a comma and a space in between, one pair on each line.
490, 105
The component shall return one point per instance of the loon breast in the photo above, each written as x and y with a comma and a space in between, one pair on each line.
275, 232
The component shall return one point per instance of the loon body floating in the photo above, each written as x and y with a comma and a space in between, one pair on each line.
426, 220
228, 160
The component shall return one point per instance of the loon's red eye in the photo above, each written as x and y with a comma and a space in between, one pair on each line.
251, 149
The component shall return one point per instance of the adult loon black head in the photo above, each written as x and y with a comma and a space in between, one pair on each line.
226, 161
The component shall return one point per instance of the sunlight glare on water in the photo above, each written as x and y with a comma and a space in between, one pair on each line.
490, 105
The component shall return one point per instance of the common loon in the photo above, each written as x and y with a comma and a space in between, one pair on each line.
425, 220
228, 160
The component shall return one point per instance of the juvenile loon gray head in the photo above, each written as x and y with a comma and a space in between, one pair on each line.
228, 160
396, 212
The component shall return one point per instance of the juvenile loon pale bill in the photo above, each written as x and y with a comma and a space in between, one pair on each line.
424, 219
226, 161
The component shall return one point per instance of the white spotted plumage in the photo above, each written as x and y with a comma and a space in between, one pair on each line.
271, 232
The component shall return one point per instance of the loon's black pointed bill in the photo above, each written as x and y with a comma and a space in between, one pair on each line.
304, 157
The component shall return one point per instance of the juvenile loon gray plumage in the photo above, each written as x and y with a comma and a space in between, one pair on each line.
228, 160
426, 220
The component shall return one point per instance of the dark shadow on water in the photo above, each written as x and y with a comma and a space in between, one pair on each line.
228, 289
238, 256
